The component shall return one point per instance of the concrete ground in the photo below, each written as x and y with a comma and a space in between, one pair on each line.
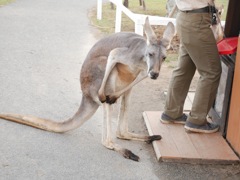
42, 47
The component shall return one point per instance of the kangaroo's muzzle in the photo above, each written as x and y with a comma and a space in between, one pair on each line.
153, 75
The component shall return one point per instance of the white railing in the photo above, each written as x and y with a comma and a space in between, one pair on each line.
138, 19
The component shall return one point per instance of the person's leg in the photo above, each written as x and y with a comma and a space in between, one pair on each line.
203, 51
199, 43
179, 84
198, 39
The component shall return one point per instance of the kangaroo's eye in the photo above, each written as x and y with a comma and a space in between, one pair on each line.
163, 58
150, 54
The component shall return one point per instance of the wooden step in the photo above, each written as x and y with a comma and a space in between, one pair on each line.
179, 146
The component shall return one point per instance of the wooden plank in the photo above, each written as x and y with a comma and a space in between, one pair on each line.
166, 144
178, 146
233, 130
212, 147
182, 141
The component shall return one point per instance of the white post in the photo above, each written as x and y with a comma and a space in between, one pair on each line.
139, 29
99, 9
139, 25
118, 18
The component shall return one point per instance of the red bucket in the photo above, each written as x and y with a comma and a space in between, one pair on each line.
227, 45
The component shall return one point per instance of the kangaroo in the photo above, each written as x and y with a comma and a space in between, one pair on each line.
217, 28
112, 67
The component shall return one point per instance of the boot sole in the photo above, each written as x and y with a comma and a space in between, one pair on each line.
171, 122
189, 130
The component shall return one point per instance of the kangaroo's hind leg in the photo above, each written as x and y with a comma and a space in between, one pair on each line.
122, 129
107, 128
107, 135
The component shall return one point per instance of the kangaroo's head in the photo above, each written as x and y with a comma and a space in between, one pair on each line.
216, 24
156, 49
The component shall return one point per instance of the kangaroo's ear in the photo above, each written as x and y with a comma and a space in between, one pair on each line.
168, 34
220, 10
151, 36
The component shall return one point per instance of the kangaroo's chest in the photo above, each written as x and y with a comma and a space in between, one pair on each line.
124, 73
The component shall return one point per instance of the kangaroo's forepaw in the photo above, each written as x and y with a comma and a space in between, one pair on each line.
102, 98
111, 99
129, 155
153, 138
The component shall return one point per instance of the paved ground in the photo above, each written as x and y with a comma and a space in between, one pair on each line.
42, 46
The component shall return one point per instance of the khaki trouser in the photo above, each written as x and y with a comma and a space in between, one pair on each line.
197, 50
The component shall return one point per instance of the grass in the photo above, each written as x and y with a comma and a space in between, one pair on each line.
107, 24
153, 7
4, 2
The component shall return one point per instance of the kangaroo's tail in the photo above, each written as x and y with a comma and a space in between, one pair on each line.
87, 108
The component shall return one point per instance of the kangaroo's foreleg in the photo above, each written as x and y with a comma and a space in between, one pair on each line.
107, 135
122, 129
114, 57
113, 97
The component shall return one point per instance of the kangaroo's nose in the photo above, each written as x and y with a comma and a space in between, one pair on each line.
154, 75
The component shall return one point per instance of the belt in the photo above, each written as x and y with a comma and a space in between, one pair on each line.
206, 9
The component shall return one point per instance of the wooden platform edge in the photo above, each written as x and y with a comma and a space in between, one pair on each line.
201, 161
158, 154
184, 160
